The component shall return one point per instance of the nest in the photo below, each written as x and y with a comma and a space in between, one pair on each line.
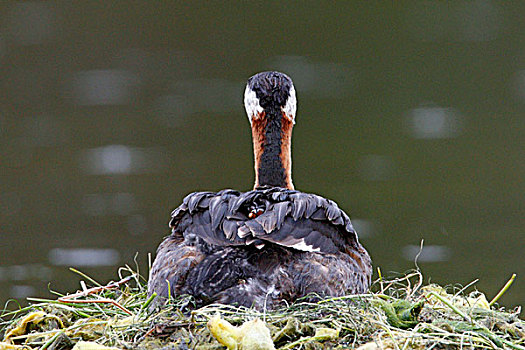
399, 313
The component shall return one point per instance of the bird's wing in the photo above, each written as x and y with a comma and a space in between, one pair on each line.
173, 262
294, 219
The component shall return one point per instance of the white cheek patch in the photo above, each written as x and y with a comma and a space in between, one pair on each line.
251, 104
290, 108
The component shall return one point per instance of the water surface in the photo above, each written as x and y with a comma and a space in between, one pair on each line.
411, 117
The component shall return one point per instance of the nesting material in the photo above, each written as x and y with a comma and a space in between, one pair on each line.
399, 313
252, 335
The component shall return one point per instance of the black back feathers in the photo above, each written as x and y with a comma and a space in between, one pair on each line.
288, 218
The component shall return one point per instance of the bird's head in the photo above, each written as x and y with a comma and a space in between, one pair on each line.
270, 95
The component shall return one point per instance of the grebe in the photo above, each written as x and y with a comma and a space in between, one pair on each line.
269, 245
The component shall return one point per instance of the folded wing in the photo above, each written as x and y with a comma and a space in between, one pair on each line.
289, 218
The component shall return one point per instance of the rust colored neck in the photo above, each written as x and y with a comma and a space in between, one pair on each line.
272, 148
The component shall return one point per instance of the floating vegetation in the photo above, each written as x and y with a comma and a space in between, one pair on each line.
400, 313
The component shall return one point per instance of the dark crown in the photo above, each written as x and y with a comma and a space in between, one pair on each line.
272, 88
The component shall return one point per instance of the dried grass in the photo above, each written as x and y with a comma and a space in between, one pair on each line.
399, 313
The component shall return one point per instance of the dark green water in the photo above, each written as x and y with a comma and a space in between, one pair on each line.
411, 117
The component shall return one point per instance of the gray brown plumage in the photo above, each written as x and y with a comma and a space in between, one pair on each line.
265, 246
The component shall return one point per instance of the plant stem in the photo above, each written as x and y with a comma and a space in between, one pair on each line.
503, 290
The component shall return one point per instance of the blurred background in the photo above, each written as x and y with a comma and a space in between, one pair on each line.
411, 117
